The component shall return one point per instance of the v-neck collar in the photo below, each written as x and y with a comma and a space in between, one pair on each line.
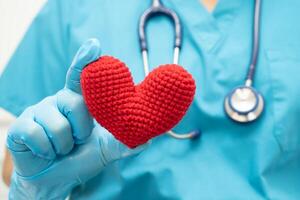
206, 28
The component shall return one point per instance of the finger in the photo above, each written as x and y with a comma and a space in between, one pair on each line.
55, 125
87, 53
25, 135
112, 149
126, 151
72, 106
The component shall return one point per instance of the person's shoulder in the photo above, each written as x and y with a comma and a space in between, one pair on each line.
287, 5
97, 3
281, 10
79, 4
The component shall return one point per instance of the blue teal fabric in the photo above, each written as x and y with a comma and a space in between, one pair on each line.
260, 160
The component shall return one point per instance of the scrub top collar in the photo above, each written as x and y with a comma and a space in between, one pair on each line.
207, 29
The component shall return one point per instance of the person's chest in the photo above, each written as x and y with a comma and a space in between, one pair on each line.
216, 51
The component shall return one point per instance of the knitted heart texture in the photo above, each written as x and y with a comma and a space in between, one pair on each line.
136, 113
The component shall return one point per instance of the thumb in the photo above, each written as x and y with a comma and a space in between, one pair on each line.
87, 53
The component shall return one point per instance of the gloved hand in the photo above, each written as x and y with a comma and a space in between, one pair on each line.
55, 145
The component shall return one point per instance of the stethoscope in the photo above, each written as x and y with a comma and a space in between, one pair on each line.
243, 103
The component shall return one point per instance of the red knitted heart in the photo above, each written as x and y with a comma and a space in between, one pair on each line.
136, 113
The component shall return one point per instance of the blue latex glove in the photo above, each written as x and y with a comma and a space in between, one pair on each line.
55, 145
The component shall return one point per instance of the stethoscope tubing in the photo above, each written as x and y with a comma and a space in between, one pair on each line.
255, 112
255, 43
156, 9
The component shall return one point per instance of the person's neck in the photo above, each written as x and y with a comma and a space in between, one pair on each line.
209, 4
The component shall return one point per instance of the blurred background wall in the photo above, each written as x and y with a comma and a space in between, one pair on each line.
15, 17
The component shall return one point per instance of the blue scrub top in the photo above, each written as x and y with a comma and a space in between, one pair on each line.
260, 160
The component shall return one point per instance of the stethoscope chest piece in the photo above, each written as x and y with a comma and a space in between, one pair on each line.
244, 104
